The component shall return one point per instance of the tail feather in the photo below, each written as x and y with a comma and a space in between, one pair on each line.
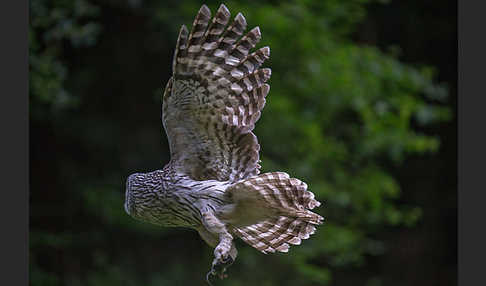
283, 205
275, 234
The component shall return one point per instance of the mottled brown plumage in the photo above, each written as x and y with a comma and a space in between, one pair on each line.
213, 182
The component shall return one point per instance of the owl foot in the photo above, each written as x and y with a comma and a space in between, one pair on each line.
219, 268
208, 278
221, 265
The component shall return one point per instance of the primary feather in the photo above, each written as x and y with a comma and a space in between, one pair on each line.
215, 97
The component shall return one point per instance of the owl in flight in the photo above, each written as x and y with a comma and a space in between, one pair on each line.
212, 182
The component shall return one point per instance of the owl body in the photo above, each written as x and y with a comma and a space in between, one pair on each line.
213, 182
166, 198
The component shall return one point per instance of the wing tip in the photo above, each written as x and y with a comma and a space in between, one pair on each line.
224, 10
267, 73
257, 32
241, 19
265, 89
204, 10
266, 51
184, 30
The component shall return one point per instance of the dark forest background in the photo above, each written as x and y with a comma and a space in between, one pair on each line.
362, 107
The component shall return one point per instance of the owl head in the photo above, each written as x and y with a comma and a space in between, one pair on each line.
141, 193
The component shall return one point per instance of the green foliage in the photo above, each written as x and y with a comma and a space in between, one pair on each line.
54, 27
337, 116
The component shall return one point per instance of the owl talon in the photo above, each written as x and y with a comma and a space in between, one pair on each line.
224, 263
208, 277
219, 268
212, 273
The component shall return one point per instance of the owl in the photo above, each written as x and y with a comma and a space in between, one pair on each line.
212, 182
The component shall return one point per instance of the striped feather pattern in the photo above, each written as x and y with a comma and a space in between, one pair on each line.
215, 97
287, 203
276, 234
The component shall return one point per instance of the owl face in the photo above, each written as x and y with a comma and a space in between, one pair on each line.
141, 194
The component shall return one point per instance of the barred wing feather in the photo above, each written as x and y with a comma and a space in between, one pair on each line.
214, 98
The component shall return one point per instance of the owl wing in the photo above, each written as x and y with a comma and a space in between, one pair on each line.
214, 98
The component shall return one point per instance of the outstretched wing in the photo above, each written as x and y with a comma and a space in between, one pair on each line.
214, 98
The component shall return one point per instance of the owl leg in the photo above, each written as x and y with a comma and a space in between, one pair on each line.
225, 251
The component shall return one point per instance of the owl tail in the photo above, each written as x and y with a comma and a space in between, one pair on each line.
272, 211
